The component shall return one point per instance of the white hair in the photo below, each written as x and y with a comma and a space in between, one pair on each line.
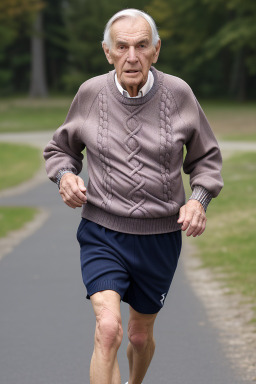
134, 13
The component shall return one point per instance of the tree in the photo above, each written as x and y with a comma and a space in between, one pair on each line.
38, 86
15, 24
14, 11
85, 21
211, 43
56, 53
238, 36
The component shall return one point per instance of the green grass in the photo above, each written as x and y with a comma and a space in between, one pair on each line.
232, 120
24, 115
229, 120
18, 163
13, 218
228, 245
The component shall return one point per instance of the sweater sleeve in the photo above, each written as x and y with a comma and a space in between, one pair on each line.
64, 152
203, 160
202, 195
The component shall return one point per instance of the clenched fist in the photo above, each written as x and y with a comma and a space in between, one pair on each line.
72, 190
193, 218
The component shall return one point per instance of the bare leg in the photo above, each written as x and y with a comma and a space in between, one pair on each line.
108, 336
116, 378
142, 345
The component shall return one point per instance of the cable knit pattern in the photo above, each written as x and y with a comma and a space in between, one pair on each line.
103, 146
134, 150
137, 193
166, 139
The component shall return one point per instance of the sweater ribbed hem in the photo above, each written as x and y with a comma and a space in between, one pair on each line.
149, 226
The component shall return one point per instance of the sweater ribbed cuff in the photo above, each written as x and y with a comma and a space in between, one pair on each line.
60, 174
202, 195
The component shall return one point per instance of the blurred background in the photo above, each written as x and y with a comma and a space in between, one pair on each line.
51, 47
48, 48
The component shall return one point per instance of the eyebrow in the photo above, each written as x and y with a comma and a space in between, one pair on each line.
121, 42
144, 41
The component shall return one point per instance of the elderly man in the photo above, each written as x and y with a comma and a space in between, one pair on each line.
134, 122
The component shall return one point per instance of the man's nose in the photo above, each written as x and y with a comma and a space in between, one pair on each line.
132, 57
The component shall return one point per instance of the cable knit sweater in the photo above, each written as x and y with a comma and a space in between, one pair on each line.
134, 149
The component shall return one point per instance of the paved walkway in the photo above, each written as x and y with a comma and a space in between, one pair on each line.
39, 139
46, 324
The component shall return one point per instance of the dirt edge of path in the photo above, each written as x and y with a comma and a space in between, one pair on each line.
228, 312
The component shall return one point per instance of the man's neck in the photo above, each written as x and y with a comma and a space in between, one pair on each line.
133, 91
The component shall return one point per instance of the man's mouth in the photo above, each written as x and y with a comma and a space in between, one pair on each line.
132, 71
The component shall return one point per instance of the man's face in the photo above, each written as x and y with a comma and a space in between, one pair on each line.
132, 52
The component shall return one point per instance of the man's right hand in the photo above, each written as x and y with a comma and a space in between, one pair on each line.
72, 190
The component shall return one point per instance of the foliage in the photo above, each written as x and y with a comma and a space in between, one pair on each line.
55, 43
15, 10
210, 44
84, 24
16, 17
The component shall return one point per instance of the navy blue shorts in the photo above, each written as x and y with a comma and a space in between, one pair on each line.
139, 267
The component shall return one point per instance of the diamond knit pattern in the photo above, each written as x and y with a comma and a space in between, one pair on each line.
166, 142
133, 147
102, 139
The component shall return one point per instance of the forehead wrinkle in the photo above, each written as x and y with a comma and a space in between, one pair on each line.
122, 30
132, 39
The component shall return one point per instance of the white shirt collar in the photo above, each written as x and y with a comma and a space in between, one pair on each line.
142, 92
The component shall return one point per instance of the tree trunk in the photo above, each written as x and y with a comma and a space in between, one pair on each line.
238, 77
38, 85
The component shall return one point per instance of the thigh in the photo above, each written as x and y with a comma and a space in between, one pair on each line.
155, 262
140, 322
109, 300
102, 262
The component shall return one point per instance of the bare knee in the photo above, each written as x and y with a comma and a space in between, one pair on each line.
109, 332
140, 336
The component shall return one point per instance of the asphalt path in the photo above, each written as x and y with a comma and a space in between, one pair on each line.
47, 325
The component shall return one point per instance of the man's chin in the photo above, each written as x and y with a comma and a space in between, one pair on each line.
132, 82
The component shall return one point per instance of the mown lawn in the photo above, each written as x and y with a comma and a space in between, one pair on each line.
25, 115
232, 120
13, 218
18, 163
229, 120
228, 245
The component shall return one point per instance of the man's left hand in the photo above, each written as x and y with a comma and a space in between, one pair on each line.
193, 218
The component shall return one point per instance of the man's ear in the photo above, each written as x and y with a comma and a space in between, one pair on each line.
107, 53
157, 48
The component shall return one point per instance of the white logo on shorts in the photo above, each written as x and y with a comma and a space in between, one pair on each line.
163, 299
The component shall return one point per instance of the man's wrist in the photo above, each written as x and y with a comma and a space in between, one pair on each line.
202, 195
60, 174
